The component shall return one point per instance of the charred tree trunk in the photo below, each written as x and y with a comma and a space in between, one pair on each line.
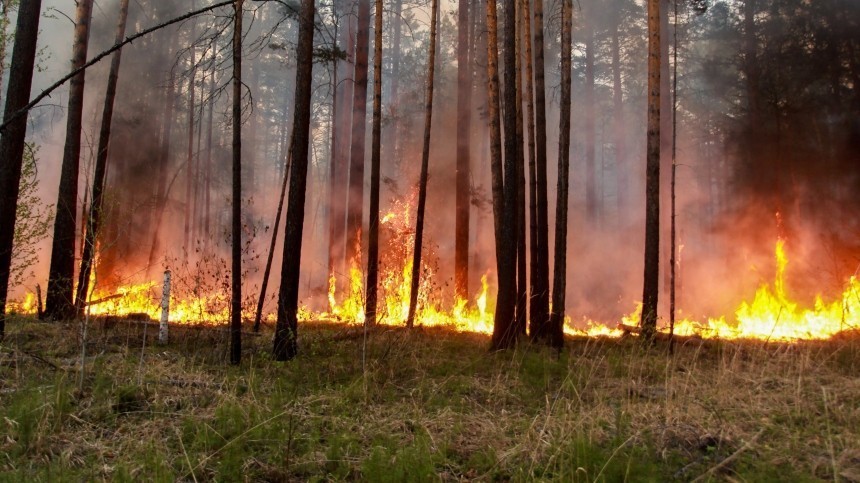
559, 285
375, 155
355, 204
12, 141
651, 283
94, 218
425, 163
522, 276
504, 181
236, 231
464, 141
540, 298
59, 304
286, 331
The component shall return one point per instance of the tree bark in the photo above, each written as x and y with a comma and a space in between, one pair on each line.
618, 125
236, 239
540, 299
591, 200
355, 204
12, 141
464, 141
559, 286
504, 181
375, 146
522, 275
652, 179
530, 123
425, 163
96, 207
59, 304
286, 330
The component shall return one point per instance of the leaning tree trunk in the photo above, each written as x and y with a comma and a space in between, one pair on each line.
652, 178
96, 206
286, 330
59, 303
236, 241
425, 163
12, 139
355, 204
464, 132
559, 285
375, 146
539, 314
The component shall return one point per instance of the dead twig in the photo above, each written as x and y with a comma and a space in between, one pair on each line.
722, 464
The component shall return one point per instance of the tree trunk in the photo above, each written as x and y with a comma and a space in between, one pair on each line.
464, 141
591, 201
236, 239
286, 331
559, 286
504, 181
12, 141
522, 275
425, 163
190, 180
355, 205
94, 218
530, 123
59, 303
652, 178
375, 146
673, 230
540, 298
618, 126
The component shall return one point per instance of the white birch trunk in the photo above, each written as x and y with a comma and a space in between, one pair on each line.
165, 309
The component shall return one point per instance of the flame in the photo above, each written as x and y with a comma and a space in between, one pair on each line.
771, 314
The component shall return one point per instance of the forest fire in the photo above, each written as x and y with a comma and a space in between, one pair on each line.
771, 314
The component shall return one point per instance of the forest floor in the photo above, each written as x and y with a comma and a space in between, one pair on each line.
421, 405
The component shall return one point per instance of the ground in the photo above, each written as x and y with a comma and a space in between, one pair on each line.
422, 405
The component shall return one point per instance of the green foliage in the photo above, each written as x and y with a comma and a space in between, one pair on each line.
33, 221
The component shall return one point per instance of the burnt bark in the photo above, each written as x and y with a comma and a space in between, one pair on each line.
286, 330
236, 225
59, 303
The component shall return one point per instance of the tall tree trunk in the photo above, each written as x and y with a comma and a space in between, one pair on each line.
530, 122
673, 230
375, 146
618, 125
559, 285
464, 141
338, 193
207, 182
522, 275
190, 180
591, 201
540, 299
652, 179
355, 205
504, 181
286, 330
59, 302
94, 218
397, 25
236, 239
12, 139
425, 163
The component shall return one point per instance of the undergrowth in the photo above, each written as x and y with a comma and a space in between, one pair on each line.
421, 405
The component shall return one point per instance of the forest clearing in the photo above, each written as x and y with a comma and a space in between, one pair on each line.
423, 405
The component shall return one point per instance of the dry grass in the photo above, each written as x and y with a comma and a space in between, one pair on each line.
424, 405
